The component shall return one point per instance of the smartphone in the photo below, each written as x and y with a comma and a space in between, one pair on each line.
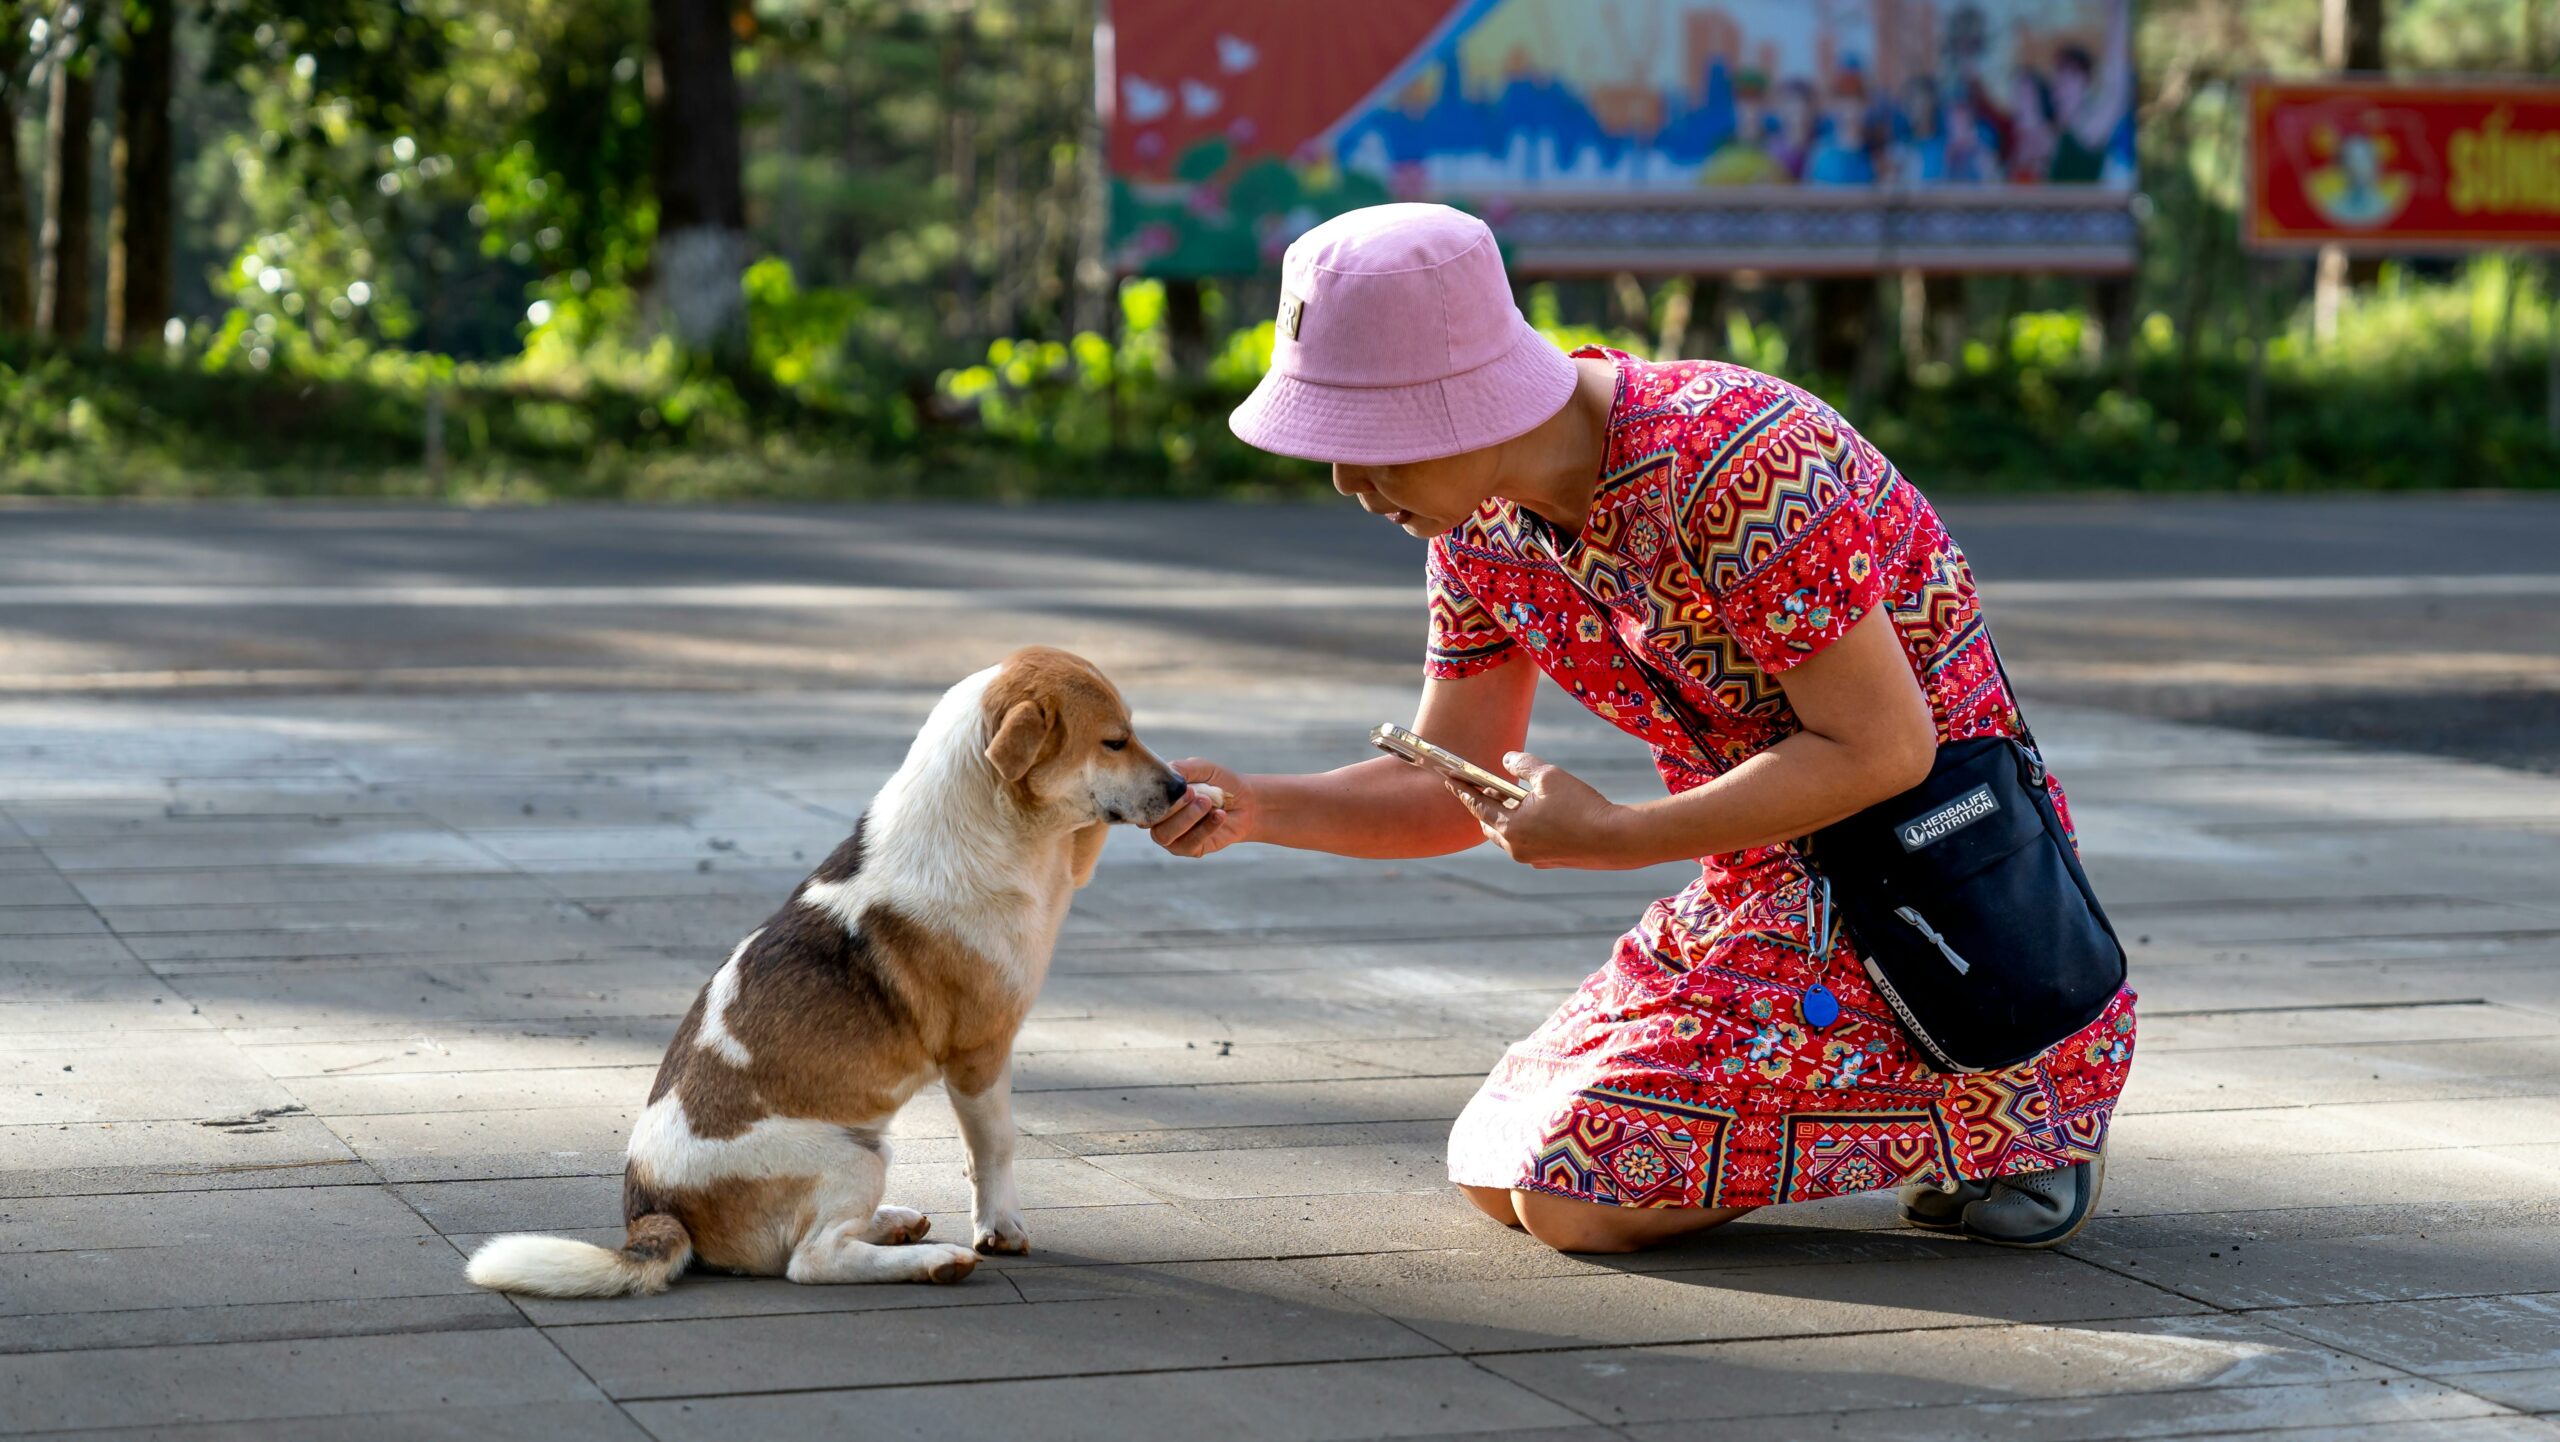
1397, 741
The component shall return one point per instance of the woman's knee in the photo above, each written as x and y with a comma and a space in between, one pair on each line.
1494, 1202
1571, 1226
1575, 1226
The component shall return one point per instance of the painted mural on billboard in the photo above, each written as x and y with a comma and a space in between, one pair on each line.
1236, 125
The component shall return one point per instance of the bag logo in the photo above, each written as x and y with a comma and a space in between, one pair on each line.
1949, 819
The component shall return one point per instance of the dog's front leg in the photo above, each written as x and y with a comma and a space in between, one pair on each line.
981, 1089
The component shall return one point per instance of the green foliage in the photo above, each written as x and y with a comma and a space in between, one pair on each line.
398, 206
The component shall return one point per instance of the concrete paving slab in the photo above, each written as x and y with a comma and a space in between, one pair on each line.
178, 1146
213, 1272
2533, 1389
473, 1091
2111, 1367
1426, 1132
1650, 1307
1319, 1403
2255, 1077
255, 1381
447, 1049
2443, 1338
1377, 1099
707, 1297
2384, 1266
255, 885
2344, 1127
2381, 1408
536, 1422
82, 1077
1285, 1171
130, 1328
153, 1220
2157, 1182
1247, 1315
2164, 1030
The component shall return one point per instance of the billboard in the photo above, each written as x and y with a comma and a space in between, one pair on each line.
1802, 136
2403, 168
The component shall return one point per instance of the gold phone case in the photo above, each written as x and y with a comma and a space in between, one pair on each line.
1397, 741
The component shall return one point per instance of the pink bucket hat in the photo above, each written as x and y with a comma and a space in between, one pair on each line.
1398, 342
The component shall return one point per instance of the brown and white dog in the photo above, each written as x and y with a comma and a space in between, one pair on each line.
913, 952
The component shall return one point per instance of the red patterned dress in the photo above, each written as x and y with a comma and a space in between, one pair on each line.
1739, 527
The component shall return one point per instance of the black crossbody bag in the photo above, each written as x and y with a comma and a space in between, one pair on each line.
1969, 907
1964, 895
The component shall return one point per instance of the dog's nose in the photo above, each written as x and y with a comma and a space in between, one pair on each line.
1175, 785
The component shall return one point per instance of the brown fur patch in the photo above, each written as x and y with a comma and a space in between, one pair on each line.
842, 863
749, 1224
656, 1237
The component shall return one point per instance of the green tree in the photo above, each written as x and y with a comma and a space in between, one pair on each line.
142, 227
62, 281
702, 246
17, 239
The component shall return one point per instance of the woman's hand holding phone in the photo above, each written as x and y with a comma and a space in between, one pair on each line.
1562, 823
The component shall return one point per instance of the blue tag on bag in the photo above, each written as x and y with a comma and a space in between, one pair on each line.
1819, 1007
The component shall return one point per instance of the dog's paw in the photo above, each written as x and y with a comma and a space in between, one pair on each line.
953, 1264
897, 1226
1003, 1234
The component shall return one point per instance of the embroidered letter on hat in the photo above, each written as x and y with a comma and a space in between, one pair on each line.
1292, 310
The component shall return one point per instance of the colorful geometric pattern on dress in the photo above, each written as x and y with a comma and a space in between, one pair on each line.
1832, 1154
1740, 526
1464, 639
1631, 1150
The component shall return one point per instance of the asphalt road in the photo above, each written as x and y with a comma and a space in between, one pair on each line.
2428, 623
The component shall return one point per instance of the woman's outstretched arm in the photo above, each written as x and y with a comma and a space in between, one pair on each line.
1382, 809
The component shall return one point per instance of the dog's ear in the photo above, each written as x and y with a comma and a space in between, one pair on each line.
1018, 739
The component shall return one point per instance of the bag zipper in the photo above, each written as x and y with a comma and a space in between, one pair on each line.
1921, 925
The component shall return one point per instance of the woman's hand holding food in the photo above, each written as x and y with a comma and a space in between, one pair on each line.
1216, 813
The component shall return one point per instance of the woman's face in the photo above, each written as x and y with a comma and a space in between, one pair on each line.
1425, 498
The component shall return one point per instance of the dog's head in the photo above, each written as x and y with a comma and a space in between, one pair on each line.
1059, 735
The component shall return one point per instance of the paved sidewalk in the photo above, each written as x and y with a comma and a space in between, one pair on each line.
301, 996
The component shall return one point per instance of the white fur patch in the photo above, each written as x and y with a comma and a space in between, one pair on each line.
715, 1036
560, 1267
664, 1146
940, 846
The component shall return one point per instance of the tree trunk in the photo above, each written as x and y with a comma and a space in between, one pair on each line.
1679, 299
140, 230
2350, 40
1094, 290
62, 289
1945, 297
17, 241
1843, 312
2118, 308
1186, 326
702, 207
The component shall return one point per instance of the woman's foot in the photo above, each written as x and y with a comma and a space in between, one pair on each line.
1938, 1210
2030, 1209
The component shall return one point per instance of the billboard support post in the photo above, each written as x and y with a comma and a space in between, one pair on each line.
2551, 343
2254, 296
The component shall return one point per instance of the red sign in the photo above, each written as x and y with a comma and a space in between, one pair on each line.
2403, 168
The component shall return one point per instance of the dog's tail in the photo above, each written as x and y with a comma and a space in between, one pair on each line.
655, 1250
